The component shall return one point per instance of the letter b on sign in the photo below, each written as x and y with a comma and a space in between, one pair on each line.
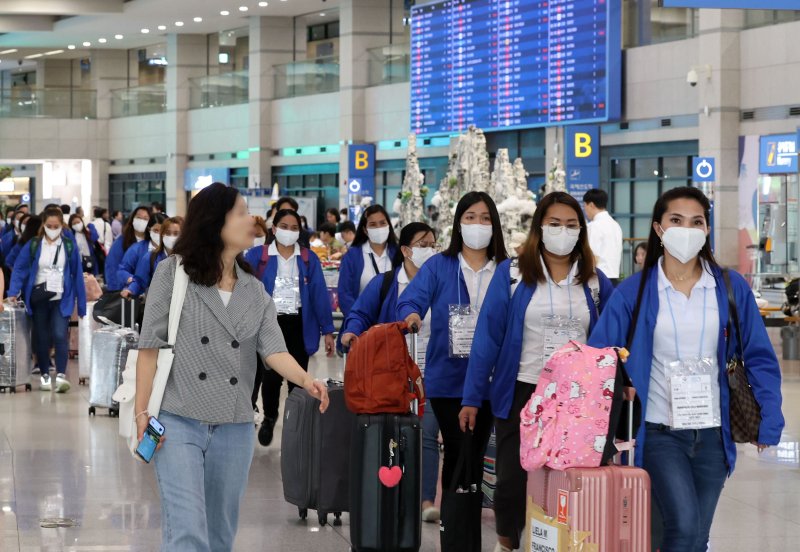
361, 161
583, 146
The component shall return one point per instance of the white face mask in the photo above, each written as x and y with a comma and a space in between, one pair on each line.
286, 238
156, 239
421, 254
476, 236
52, 233
140, 225
560, 244
378, 236
259, 241
683, 243
78, 227
170, 241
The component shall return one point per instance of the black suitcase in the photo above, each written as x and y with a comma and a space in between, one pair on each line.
386, 519
315, 452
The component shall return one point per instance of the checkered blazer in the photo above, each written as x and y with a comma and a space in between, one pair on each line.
214, 370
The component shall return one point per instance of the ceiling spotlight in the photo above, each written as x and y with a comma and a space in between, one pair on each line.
322, 14
243, 8
224, 12
162, 27
179, 23
145, 31
71, 47
11, 51
87, 44
198, 19
102, 40
263, 4
118, 37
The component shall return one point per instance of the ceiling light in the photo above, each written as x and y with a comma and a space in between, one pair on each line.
263, 4
71, 47
11, 51
242, 8
162, 27
145, 31
224, 12
179, 23
54, 52
102, 40
118, 37
198, 19
322, 15
34, 56
87, 44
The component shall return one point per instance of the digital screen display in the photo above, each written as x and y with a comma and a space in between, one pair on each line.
502, 64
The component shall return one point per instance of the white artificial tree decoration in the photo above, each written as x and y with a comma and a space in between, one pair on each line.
556, 178
410, 206
515, 203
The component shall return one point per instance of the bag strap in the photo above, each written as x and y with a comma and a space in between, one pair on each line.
386, 284
179, 286
733, 312
304, 255
262, 263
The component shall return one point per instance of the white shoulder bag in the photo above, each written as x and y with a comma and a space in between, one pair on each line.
126, 393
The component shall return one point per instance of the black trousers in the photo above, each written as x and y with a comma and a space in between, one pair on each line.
510, 496
270, 381
446, 411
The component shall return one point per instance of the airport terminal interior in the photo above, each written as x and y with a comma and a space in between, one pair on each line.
113, 106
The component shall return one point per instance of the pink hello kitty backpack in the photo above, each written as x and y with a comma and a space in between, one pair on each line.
573, 418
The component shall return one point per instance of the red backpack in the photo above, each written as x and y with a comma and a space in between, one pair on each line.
380, 377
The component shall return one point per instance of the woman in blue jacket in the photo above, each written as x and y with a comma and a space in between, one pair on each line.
127, 268
371, 254
680, 303
49, 276
135, 231
377, 304
293, 277
168, 233
452, 285
553, 285
85, 236
31, 225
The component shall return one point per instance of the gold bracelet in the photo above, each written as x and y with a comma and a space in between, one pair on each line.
140, 413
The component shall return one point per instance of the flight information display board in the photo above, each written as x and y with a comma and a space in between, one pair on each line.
502, 64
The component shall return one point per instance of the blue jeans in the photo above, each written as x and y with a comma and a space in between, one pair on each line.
50, 327
202, 474
687, 469
430, 455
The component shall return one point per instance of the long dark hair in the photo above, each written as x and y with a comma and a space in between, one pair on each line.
406, 235
164, 225
530, 261
32, 225
201, 244
283, 213
361, 232
497, 248
128, 233
85, 231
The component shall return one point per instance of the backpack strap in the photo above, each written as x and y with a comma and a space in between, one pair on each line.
386, 284
34, 248
304, 255
262, 263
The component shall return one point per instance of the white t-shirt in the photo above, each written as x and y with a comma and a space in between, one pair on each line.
287, 268
605, 239
565, 292
383, 261
46, 258
104, 233
225, 296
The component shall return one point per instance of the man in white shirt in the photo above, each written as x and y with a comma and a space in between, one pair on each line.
105, 235
605, 235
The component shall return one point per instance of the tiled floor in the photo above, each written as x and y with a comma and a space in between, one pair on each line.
57, 462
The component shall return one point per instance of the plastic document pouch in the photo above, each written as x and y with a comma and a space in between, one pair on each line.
557, 331
286, 295
55, 281
462, 322
694, 394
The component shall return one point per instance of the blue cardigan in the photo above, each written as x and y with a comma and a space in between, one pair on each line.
763, 370
13, 254
350, 271
368, 310
497, 348
144, 272
114, 281
23, 278
7, 242
434, 287
316, 311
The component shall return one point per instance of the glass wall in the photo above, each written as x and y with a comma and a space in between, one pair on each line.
762, 18
127, 191
777, 223
320, 181
645, 22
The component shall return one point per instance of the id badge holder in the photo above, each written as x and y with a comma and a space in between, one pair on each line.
55, 281
557, 331
694, 394
286, 292
422, 346
462, 321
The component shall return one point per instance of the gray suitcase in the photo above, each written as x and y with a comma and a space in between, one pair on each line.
15, 349
110, 346
86, 328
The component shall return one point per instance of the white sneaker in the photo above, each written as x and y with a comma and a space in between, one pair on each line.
45, 383
501, 548
62, 385
431, 515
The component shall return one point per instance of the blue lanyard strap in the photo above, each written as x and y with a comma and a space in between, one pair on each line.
569, 292
675, 324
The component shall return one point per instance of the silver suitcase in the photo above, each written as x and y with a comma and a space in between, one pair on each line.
86, 328
110, 347
15, 349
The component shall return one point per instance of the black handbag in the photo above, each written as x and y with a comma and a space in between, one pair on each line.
39, 294
87, 261
110, 307
745, 413
462, 503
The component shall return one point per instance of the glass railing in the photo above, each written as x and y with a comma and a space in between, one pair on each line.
219, 90
762, 18
140, 100
389, 64
51, 103
303, 78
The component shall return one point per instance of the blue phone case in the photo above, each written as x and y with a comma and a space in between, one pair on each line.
147, 447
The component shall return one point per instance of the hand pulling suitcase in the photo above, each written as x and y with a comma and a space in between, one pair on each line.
315, 452
15, 349
612, 503
110, 346
386, 481
86, 328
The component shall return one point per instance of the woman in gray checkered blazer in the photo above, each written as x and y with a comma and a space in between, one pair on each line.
227, 317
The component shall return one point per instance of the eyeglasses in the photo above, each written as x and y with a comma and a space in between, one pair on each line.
433, 245
556, 229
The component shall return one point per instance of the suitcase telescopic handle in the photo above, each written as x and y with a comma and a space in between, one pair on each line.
629, 395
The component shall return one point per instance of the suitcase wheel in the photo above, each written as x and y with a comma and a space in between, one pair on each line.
323, 518
28, 387
303, 513
113, 413
12, 390
81, 381
92, 411
337, 519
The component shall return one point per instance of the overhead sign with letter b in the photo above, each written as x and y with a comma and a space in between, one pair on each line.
583, 146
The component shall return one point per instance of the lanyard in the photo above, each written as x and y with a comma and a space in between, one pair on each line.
375, 265
477, 292
675, 324
55, 259
569, 292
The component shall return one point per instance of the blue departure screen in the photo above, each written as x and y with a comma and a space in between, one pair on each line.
501, 64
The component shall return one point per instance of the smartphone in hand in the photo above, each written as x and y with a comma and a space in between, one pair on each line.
152, 436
